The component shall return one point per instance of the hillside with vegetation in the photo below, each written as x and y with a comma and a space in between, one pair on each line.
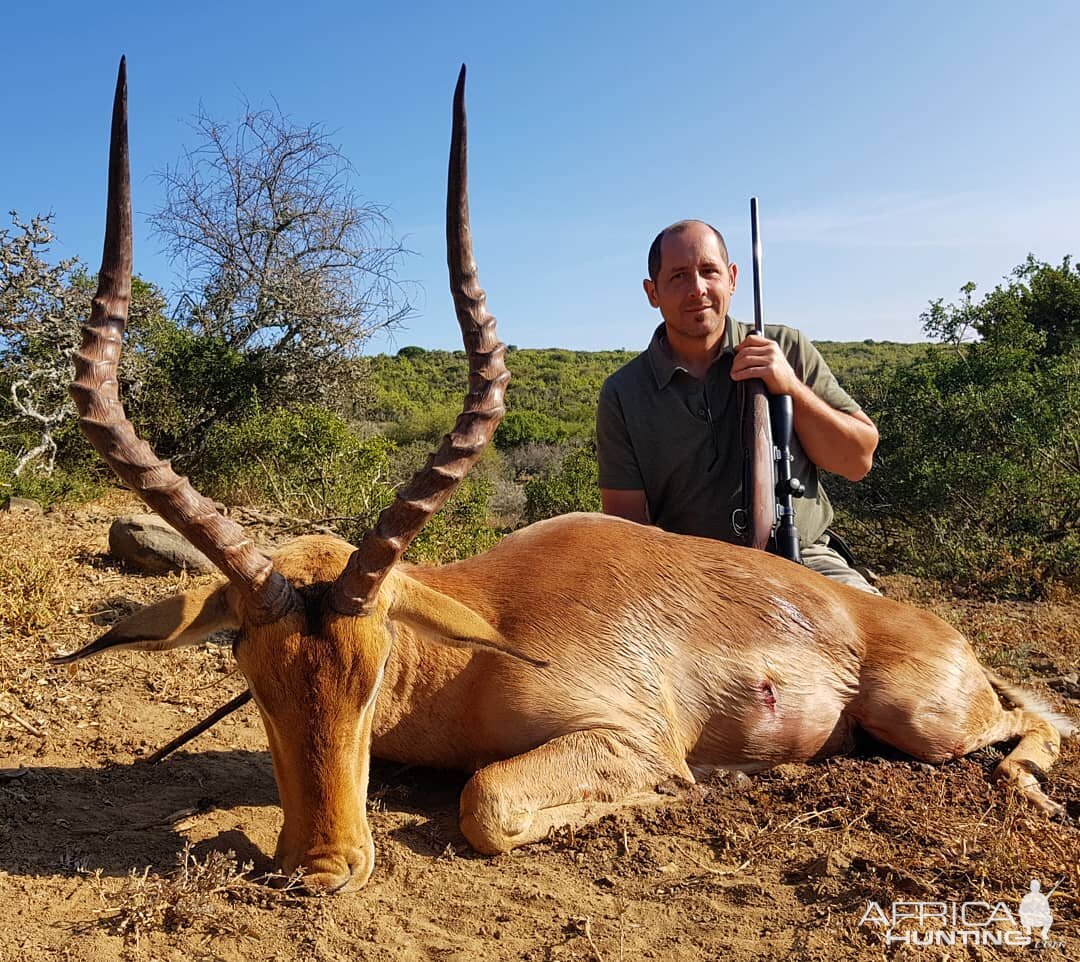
552, 394
976, 481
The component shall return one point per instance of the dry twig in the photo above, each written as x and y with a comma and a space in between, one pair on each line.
18, 719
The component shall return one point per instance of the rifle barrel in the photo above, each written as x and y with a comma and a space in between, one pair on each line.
755, 237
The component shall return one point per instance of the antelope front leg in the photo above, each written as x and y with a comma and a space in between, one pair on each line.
571, 780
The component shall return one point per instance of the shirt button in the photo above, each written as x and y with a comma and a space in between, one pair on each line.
701, 412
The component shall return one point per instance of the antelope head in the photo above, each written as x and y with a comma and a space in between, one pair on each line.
315, 623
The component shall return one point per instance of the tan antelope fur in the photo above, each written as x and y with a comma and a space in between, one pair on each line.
573, 668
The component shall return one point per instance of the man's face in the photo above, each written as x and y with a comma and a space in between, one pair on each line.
694, 287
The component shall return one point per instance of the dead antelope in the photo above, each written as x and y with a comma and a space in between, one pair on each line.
572, 668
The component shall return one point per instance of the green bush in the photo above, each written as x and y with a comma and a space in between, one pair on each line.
976, 480
183, 385
309, 463
65, 485
426, 425
570, 485
461, 529
304, 462
530, 427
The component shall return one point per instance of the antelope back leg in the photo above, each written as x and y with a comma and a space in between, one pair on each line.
930, 699
1040, 730
572, 780
934, 701
1038, 749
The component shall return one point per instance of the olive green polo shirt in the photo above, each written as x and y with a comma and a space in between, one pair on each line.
677, 438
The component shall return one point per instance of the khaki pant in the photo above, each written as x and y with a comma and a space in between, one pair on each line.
821, 558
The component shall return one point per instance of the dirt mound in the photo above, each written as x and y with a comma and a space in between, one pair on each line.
103, 857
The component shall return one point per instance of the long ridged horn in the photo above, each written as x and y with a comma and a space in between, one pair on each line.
96, 391
355, 589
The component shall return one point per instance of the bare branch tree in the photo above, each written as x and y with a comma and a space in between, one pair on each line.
283, 260
38, 333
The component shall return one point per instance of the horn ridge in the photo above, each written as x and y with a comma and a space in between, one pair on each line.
96, 392
355, 589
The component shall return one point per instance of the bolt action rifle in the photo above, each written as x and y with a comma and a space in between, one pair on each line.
767, 423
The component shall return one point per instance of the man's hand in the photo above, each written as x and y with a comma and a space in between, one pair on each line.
761, 357
834, 440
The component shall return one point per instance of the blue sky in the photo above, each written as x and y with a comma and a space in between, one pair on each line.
899, 150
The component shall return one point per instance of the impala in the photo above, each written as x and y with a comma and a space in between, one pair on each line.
572, 668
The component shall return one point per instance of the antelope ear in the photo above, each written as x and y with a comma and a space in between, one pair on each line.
184, 619
456, 624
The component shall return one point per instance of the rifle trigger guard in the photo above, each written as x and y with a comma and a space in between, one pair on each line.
738, 521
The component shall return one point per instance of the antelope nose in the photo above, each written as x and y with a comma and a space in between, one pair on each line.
336, 873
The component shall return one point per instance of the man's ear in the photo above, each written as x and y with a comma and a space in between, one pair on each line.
734, 269
173, 623
650, 291
444, 618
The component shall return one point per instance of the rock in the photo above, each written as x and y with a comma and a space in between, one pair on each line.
740, 782
728, 780
146, 542
829, 866
22, 506
672, 786
1068, 685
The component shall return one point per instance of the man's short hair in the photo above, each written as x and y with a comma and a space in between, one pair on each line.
677, 228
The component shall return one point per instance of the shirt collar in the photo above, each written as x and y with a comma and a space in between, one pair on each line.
664, 366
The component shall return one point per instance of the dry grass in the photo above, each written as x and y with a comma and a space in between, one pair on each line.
205, 897
58, 590
197, 895
36, 581
799, 849
34, 592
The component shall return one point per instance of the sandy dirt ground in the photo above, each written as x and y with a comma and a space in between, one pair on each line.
103, 857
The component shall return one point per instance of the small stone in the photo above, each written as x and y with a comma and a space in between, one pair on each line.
831, 865
23, 506
146, 542
741, 782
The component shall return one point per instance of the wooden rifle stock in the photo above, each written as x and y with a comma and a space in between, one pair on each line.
758, 448
767, 473
757, 426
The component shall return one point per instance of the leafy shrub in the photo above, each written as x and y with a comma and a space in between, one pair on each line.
67, 483
570, 485
425, 424
308, 462
977, 480
530, 427
461, 529
468, 523
185, 384
305, 461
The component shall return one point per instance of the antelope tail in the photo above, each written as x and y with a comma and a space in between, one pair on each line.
1030, 702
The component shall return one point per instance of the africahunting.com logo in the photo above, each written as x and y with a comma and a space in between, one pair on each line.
967, 923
